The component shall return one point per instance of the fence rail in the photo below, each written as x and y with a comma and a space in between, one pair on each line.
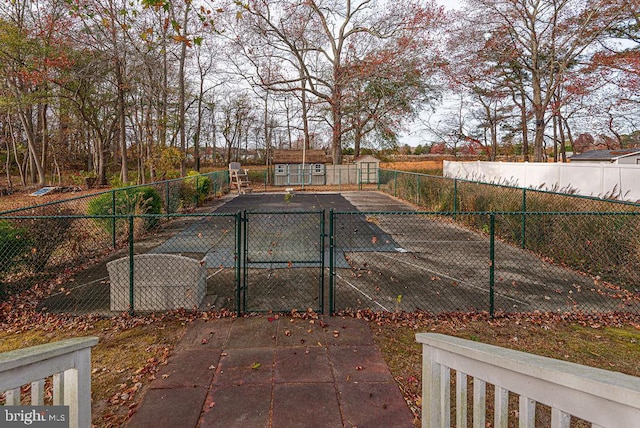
478, 371
67, 362
173, 196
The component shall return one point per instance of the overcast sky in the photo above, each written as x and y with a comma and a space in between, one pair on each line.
415, 134
449, 4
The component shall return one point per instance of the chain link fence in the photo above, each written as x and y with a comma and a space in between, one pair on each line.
169, 196
44, 244
110, 253
446, 262
178, 261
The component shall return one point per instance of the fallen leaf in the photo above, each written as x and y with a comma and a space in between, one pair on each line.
255, 366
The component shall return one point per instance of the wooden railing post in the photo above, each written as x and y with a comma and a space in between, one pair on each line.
431, 384
77, 390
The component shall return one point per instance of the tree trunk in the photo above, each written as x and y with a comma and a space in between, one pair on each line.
305, 118
213, 137
525, 128
122, 135
538, 109
101, 167
43, 128
569, 136
15, 150
196, 137
37, 171
563, 151
181, 91
336, 112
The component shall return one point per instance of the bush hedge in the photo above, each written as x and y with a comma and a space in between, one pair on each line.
133, 200
195, 188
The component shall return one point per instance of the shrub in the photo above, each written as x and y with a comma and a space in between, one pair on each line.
131, 200
196, 187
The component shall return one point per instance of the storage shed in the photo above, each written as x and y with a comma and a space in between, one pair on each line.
299, 167
367, 167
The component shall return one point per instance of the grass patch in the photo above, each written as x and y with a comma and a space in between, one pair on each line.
128, 355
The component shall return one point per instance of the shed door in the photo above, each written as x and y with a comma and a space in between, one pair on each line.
368, 172
297, 174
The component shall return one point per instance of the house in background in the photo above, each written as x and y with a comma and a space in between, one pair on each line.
621, 157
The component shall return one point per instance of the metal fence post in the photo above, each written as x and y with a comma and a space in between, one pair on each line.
322, 261
245, 257
113, 218
331, 259
238, 264
492, 261
131, 267
455, 197
166, 197
395, 183
197, 190
523, 240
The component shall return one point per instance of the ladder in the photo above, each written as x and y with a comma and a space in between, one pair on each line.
239, 179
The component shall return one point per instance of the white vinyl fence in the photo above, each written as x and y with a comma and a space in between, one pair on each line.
601, 397
588, 179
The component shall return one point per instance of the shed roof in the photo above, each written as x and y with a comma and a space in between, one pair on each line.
366, 158
604, 155
295, 156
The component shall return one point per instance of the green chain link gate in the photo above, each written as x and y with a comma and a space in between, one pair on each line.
283, 261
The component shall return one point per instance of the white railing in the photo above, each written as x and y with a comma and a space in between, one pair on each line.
601, 397
67, 361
